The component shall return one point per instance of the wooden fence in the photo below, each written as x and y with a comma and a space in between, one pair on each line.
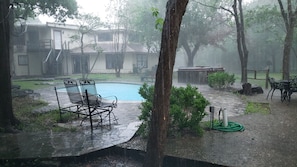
257, 78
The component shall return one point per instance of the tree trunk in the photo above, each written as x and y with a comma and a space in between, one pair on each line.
82, 57
289, 18
7, 119
273, 63
163, 83
190, 53
241, 44
287, 52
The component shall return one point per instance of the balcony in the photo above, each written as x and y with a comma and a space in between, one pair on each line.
39, 45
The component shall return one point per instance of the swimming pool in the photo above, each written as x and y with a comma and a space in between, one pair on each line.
123, 91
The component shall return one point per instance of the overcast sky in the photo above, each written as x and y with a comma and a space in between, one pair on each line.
96, 7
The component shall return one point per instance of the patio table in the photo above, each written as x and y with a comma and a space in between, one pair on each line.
289, 87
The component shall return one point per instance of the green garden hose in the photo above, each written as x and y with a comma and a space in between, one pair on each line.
232, 127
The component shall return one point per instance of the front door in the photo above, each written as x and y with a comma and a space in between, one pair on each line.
80, 63
57, 40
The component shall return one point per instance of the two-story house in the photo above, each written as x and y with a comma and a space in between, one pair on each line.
49, 50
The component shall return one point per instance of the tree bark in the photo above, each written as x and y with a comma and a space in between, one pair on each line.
163, 83
289, 18
7, 119
190, 53
82, 57
287, 52
241, 44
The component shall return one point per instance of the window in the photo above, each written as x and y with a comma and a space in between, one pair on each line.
141, 61
112, 60
19, 40
133, 37
105, 37
23, 60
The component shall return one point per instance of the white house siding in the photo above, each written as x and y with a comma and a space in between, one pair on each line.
152, 60
20, 70
36, 69
99, 66
128, 63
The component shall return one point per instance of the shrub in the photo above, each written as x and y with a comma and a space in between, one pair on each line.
220, 80
186, 109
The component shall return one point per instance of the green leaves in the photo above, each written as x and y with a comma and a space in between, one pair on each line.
220, 80
60, 9
186, 108
266, 16
159, 21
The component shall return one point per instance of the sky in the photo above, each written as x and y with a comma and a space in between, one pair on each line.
96, 7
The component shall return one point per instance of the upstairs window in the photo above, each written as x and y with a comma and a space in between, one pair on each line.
104, 37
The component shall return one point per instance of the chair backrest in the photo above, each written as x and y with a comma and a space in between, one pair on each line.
73, 91
90, 86
276, 84
273, 83
271, 80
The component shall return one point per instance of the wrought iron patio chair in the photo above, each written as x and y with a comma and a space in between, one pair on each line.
273, 86
101, 106
289, 88
74, 96
79, 105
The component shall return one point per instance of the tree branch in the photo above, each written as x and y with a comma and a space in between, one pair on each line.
203, 4
228, 10
284, 14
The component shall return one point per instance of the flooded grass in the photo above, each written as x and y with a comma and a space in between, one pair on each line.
255, 107
33, 122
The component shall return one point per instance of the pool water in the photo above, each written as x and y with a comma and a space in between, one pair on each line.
124, 92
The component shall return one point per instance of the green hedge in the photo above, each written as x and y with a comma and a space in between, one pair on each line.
187, 107
220, 80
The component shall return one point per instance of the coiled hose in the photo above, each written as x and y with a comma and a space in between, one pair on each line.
232, 126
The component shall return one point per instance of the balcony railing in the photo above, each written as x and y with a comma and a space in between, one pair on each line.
39, 45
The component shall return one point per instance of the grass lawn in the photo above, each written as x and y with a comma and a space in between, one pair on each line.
39, 83
260, 81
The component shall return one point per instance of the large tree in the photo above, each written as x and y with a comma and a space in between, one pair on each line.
87, 24
163, 83
59, 9
7, 118
24, 8
143, 22
120, 23
289, 16
278, 20
266, 27
202, 25
237, 13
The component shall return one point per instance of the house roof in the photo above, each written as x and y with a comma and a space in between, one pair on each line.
109, 47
